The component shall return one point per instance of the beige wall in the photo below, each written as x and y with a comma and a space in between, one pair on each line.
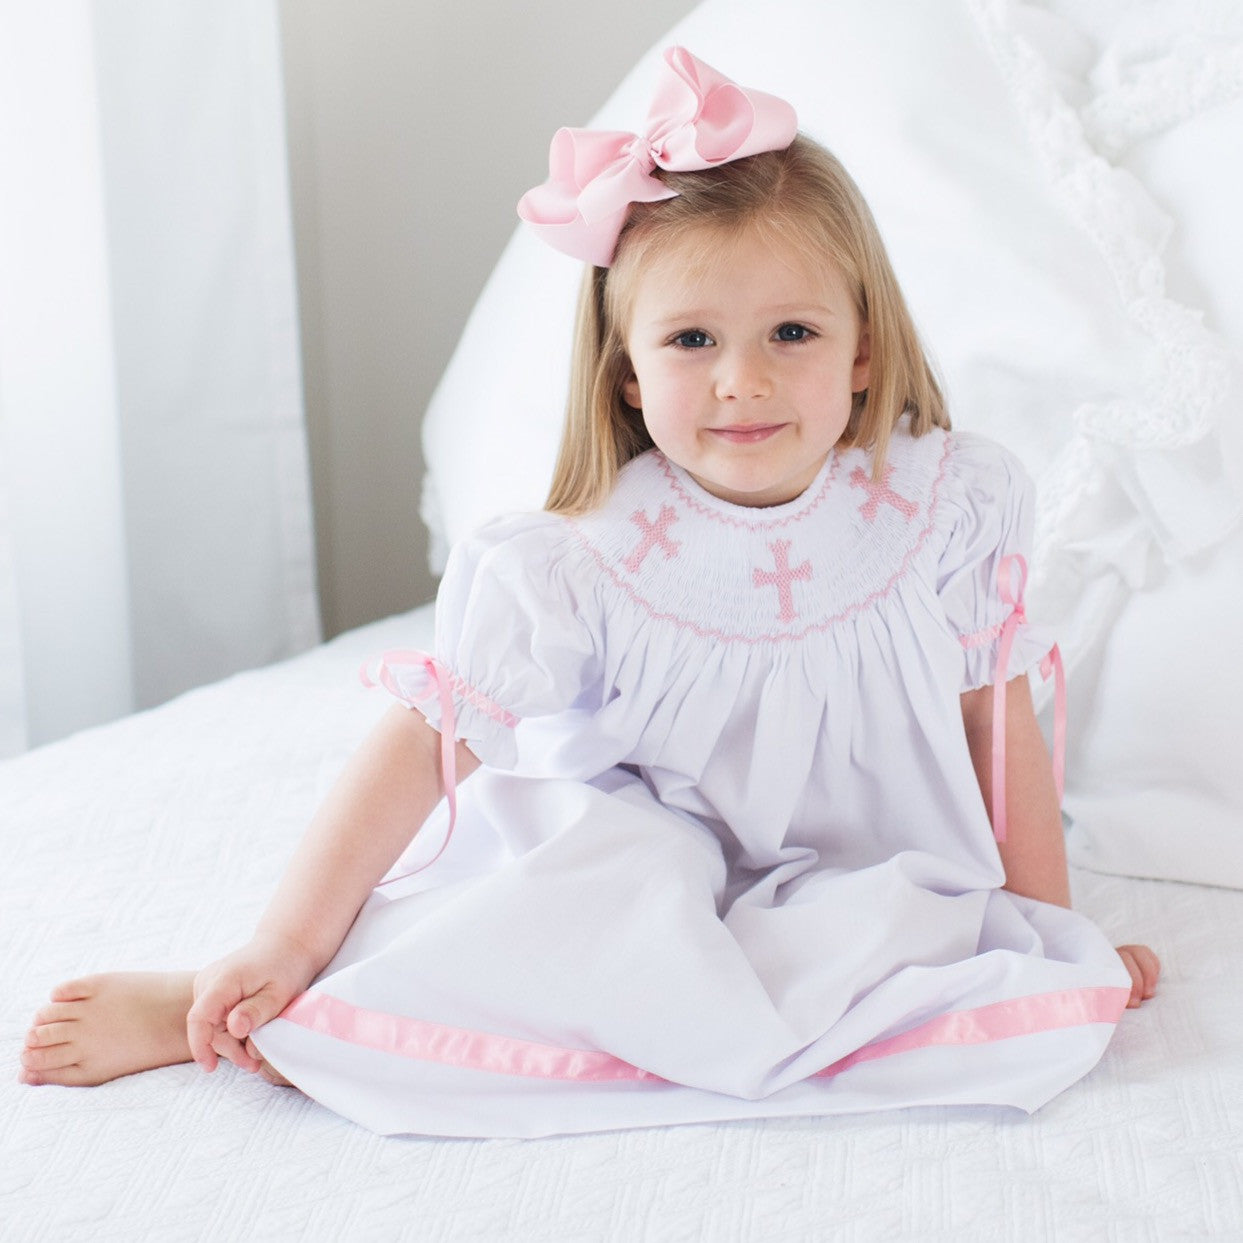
414, 125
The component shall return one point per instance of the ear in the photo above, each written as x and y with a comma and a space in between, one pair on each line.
861, 373
630, 392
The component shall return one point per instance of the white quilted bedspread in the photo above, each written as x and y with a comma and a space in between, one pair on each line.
153, 842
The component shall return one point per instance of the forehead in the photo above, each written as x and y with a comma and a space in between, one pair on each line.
736, 267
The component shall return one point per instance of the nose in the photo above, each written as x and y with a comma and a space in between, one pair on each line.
742, 374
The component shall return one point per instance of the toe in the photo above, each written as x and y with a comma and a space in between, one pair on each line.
57, 1012
74, 990
72, 1076
49, 1033
55, 1057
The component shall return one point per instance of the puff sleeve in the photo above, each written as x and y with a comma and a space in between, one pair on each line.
989, 509
515, 636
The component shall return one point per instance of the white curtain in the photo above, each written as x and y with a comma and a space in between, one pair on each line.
155, 523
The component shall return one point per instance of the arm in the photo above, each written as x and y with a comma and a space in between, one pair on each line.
383, 796
1034, 852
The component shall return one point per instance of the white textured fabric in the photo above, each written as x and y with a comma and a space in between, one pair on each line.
743, 838
156, 841
1157, 789
1154, 787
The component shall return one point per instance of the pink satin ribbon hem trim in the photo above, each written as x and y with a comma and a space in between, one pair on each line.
506, 1055
453, 1046
1019, 1016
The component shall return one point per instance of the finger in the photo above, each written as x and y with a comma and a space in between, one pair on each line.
205, 1019
199, 1034
232, 1050
202, 1027
252, 1013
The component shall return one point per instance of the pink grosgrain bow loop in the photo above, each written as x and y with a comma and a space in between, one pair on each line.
698, 119
1012, 583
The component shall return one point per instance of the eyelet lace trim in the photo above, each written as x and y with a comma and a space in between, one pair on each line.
1116, 440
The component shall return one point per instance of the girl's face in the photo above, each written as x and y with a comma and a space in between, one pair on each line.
744, 365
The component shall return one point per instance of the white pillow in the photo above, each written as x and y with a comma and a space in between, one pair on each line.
1154, 785
1034, 268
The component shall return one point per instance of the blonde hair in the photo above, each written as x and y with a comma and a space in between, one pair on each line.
801, 196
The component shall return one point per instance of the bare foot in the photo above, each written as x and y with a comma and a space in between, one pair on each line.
104, 1026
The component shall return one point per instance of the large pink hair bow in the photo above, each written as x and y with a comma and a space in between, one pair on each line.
698, 119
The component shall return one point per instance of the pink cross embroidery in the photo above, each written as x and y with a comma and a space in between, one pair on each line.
655, 535
880, 493
782, 577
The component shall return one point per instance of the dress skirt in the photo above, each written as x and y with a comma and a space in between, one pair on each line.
599, 976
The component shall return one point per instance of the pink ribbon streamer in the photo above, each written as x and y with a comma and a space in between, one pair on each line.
440, 685
1011, 566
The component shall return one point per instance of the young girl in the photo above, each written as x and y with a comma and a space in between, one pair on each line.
745, 697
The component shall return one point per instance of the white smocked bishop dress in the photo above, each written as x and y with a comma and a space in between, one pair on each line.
727, 856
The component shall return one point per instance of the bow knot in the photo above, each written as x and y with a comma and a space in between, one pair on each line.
644, 152
698, 119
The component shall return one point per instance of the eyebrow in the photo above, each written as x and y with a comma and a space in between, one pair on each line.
800, 310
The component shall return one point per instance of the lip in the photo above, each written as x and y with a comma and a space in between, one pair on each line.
748, 433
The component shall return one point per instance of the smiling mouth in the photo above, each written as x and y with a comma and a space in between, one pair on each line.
748, 435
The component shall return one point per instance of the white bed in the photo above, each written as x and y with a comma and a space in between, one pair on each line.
153, 843
1052, 180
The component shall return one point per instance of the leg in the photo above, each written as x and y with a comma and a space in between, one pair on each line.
104, 1026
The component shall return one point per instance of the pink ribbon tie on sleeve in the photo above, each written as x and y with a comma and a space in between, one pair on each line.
698, 119
1012, 568
439, 685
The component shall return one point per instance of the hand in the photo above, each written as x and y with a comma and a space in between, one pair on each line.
1144, 967
239, 993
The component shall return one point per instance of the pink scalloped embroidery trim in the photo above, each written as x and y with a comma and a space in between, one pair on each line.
820, 627
729, 520
981, 638
478, 700
398, 658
